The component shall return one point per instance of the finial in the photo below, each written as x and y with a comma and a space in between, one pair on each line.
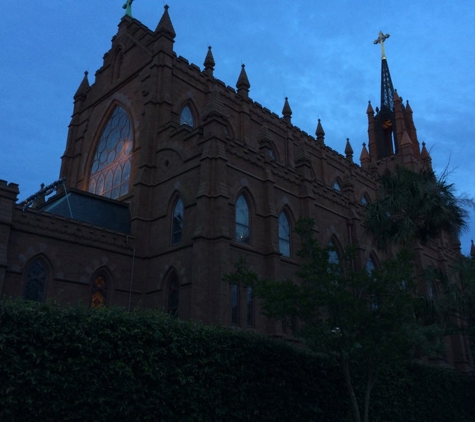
287, 111
348, 150
128, 7
243, 84
320, 133
165, 26
209, 62
380, 40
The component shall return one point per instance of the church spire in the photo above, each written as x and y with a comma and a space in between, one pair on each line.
387, 90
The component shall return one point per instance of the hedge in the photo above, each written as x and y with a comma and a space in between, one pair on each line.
77, 364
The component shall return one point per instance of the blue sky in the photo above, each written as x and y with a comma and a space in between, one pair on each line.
319, 54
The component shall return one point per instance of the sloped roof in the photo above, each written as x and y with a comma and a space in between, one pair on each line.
90, 208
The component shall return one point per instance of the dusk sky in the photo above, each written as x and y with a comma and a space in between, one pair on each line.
318, 54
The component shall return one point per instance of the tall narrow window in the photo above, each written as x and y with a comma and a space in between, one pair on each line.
284, 235
234, 304
173, 299
370, 265
177, 224
36, 276
99, 290
110, 171
250, 307
186, 117
242, 220
333, 257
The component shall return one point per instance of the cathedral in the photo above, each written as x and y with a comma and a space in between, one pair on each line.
169, 176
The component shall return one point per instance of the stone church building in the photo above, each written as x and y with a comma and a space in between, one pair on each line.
169, 176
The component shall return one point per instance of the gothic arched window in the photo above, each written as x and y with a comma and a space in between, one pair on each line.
337, 185
36, 277
284, 235
177, 224
333, 257
186, 117
99, 290
370, 265
173, 297
242, 220
110, 171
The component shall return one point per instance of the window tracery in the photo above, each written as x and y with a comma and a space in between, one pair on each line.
99, 290
110, 171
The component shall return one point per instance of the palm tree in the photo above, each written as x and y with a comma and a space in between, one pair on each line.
414, 207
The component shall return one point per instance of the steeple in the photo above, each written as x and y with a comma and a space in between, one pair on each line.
384, 120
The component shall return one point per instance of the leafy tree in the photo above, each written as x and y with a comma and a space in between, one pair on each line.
414, 206
360, 318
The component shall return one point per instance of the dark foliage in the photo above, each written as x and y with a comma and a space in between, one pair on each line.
414, 206
73, 364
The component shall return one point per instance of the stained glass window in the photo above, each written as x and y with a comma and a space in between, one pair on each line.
177, 225
99, 291
186, 117
284, 235
242, 220
110, 171
36, 276
173, 299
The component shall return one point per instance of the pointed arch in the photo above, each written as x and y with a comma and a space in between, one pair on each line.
178, 215
172, 293
337, 184
111, 162
243, 219
273, 152
100, 287
335, 250
284, 234
188, 114
36, 274
365, 199
371, 262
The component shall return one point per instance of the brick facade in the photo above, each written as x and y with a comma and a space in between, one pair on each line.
234, 147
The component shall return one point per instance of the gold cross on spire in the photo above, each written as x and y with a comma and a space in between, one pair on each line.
128, 7
380, 40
